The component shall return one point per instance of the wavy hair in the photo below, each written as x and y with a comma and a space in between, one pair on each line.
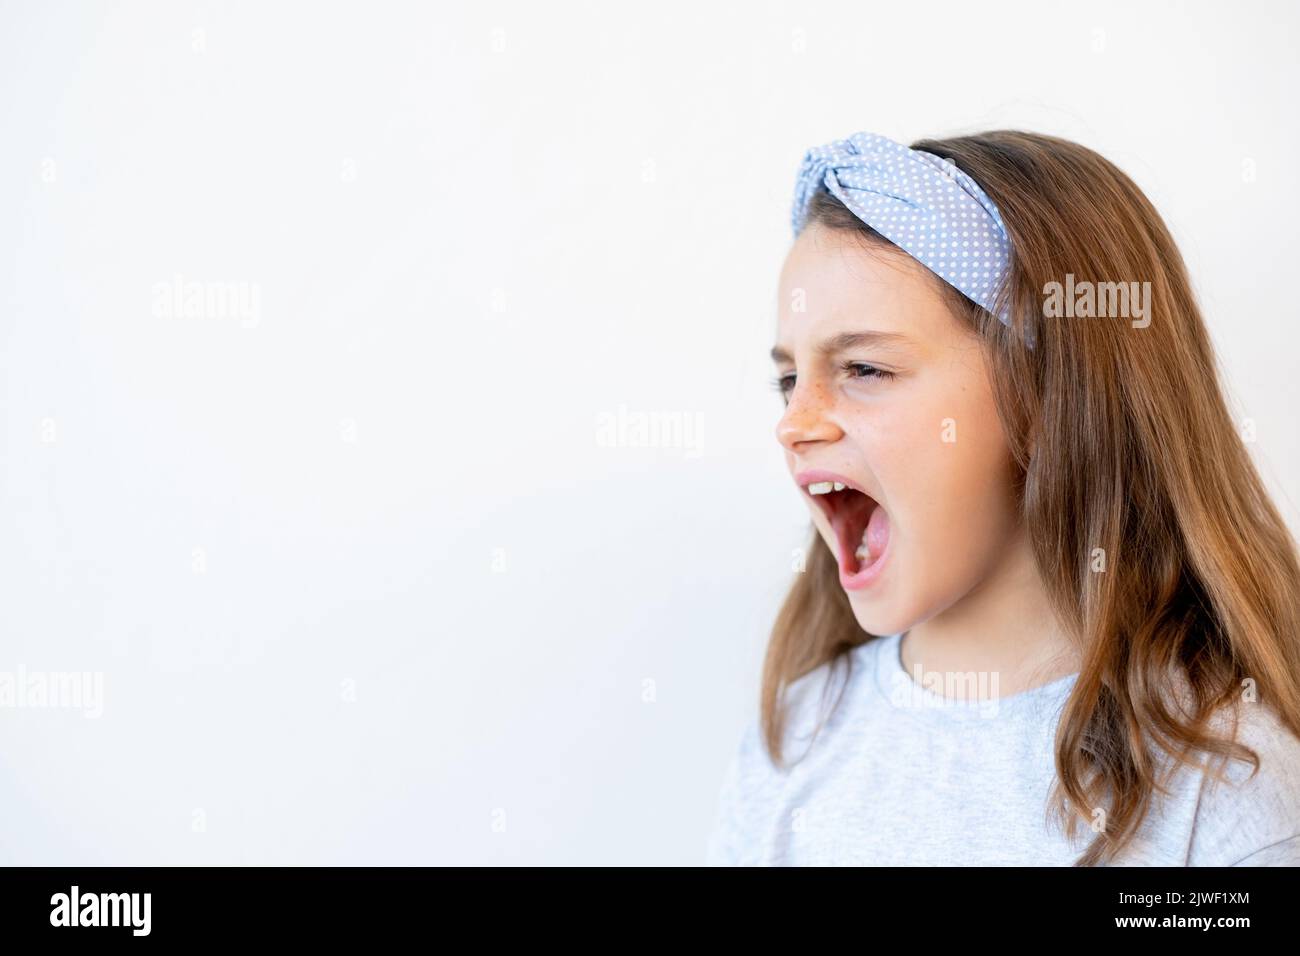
1123, 441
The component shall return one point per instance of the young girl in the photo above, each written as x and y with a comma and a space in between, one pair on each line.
1049, 615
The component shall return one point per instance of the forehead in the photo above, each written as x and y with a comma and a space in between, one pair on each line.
832, 280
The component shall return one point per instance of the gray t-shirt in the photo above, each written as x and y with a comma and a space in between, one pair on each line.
904, 775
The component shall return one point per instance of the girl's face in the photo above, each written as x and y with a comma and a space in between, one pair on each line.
887, 394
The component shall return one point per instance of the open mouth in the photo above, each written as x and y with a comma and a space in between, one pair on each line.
861, 527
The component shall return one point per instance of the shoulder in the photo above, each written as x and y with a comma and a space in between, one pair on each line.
751, 778
813, 704
807, 701
818, 701
1247, 815
733, 826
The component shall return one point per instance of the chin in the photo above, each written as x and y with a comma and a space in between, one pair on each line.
881, 617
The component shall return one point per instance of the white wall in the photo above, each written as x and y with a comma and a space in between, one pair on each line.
468, 245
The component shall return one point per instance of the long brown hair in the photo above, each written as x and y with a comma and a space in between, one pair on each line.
1124, 443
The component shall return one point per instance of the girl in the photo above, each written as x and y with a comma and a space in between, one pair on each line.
1049, 615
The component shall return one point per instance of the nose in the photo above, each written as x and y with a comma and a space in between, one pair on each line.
807, 418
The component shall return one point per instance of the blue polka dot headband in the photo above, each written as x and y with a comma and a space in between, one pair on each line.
921, 203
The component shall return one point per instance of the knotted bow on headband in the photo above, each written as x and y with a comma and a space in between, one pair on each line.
921, 203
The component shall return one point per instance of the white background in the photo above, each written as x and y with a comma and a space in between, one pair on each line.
474, 231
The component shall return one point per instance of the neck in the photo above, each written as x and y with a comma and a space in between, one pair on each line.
1003, 626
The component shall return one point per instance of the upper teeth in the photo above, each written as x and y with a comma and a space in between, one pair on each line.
825, 487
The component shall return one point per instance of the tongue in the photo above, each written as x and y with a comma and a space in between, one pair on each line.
874, 537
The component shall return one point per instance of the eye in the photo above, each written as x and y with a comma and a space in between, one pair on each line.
862, 370
784, 384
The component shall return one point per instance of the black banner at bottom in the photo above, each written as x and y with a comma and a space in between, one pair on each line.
215, 905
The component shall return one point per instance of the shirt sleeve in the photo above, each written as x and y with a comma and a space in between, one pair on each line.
1283, 853
728, 836
1252, 819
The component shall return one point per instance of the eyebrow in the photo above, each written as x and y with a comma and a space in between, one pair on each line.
846, 341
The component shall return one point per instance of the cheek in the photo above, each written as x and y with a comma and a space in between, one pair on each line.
952, 472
